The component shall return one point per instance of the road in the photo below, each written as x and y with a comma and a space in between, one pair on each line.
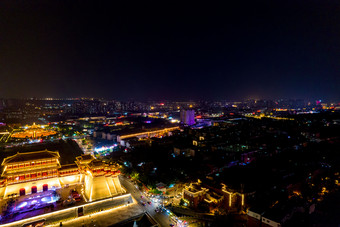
161, 217
4, 136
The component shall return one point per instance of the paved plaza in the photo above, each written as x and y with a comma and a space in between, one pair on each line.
105, 218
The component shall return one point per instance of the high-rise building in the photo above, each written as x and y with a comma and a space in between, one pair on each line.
188, 117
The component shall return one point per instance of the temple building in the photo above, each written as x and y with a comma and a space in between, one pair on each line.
101, 179
33, 172
34, 132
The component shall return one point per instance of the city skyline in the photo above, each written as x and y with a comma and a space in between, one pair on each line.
165, 113
172, 52
334, 100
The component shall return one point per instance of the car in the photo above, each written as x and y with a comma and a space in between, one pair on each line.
149, 202
142, 202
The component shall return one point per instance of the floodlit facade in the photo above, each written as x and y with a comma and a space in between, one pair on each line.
188, 117
33, 132
100, 179
194, 193
33, 172
234, 199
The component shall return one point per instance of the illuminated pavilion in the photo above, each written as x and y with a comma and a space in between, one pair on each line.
34, 132
34, 172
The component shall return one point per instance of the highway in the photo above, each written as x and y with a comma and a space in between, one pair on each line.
161, 217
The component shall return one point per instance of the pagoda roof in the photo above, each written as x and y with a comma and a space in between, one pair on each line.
69, 166
30, 156
96, 163
85, 158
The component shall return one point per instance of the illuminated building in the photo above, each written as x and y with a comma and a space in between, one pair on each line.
33, 172
34, 131
188, 117
234, 199
194, 194
214, 198
101, 179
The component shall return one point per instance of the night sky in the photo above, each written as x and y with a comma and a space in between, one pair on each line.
170, 50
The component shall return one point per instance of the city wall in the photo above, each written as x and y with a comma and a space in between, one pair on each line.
77, 211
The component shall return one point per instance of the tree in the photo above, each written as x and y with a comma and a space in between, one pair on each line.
135, 176
155, 191
181, 202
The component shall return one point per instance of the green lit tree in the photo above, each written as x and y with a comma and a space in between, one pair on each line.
135, 176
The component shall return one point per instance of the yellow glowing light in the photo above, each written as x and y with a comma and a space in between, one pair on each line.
91, 194
150, 132
89, 172
76, 207
242, 203
229, 199
108, 188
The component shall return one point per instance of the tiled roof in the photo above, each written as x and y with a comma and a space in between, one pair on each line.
86, 157
70, 166
96, 163
31, 156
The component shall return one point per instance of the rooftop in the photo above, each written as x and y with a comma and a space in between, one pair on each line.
96, 163
195, 187
86, 157
69, 166
31, 156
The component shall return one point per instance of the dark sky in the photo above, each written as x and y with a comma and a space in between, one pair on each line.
170, 50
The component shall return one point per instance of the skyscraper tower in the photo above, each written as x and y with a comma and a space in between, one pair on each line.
188, 117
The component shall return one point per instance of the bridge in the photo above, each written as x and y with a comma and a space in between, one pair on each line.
148, 134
